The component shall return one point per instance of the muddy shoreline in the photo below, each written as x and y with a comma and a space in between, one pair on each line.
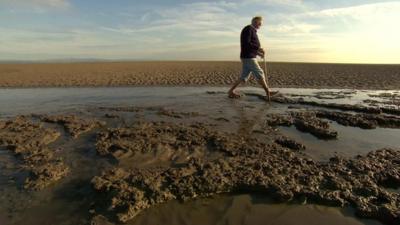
150, 155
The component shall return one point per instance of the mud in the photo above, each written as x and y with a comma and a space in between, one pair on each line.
29, 142
111, 115
307, 122
376, 103
375, 107
386, 95
313, 121
326, 94
250, 166
333, 94
73, 124
384, 100
121, 108
362, 120
162, 111
100, 220
347, 119
144, 137
283, 99
303, 121
42, 175
145, 156
172, 113
344, 107
290, 143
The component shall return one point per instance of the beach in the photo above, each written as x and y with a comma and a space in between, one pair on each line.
220, 112
160, 142
195, 73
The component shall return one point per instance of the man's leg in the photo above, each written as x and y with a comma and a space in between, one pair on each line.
231, 92
265, 87
242, 79
260, 76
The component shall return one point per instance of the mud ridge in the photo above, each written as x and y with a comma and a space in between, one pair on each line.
73, 124
162, 111
289, 143
29, 142
362, 120
304, 121
254, 167
344, 107
144, 137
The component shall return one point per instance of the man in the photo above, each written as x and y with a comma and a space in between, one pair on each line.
250, 49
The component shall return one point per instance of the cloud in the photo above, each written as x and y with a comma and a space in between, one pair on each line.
376, 20
291, 3
360, 11
202, 20
37, 4
363, 33
293, 31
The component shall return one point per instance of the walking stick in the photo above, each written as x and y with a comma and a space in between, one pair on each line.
271, 93
265, 70
266, 77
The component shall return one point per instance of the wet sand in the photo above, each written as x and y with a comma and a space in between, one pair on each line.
300, 75
179, 156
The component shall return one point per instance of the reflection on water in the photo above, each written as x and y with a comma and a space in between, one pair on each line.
245, 209
351, 141
27, 100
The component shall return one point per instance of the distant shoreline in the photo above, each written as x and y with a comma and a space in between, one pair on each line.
66, 61
196, 73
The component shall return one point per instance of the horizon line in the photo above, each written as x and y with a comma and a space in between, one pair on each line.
95, 60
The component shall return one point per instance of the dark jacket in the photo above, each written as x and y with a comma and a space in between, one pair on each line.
249, 42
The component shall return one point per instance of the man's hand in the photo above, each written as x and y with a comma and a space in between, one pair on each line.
261, 52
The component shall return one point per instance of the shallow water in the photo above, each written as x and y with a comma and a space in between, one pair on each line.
242, 116
69, 201
246, 209
351, 141
28, 100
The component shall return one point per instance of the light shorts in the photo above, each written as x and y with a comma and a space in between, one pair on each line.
251, 66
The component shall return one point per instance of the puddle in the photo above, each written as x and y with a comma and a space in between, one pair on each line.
246, 209
351, 141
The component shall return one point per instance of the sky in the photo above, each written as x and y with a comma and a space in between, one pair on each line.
339, 31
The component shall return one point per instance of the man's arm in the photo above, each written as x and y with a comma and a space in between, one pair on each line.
247, 40
261, 52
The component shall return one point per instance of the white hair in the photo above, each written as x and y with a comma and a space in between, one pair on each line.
256, 18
